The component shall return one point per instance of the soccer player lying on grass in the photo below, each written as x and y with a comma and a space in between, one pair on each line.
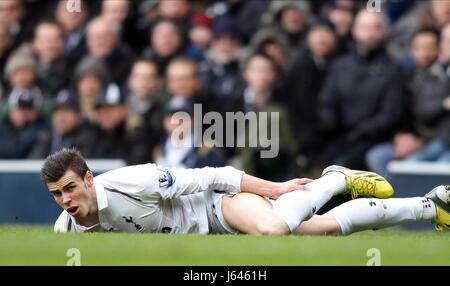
148, 198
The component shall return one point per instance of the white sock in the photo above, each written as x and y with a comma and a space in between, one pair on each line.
364, 214
297, 206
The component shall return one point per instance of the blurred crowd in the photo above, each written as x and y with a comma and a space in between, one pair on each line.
351, 87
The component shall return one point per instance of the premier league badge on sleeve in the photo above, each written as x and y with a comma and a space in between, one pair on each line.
166, 178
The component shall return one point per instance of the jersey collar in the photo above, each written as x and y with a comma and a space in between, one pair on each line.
102, 200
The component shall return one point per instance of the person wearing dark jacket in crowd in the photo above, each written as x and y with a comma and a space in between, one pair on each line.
187, 151
111, 140
20, 130
19, 26
257, 96
183, 80
74, 28
104, 43
68, 128
425, 134
302, 87
361, 103
166, 43
145, 101
221, 69
47, 47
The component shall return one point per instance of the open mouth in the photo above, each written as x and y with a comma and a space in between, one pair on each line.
72, 210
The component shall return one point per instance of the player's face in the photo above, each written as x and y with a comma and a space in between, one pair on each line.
73, 194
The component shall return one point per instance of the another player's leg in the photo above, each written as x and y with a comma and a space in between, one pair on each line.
366, 214
298, 206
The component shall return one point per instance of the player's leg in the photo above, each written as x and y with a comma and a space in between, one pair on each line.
298, 206
252, 214
255, 215
366, 214
319, 225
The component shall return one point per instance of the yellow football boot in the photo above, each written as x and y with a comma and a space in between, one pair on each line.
363, 183
441, 198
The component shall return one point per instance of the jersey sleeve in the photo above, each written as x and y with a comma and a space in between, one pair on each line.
152, 182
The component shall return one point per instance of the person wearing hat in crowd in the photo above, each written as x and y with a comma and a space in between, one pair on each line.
21, 72
221, 69
287, 19
112, 140
302, 86
200, 36
68, 128
180, 146
20, 130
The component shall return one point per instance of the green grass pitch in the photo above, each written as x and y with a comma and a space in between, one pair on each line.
38, 245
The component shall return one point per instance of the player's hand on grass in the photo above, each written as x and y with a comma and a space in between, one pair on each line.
292, 185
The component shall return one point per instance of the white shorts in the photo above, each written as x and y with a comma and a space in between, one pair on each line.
216, 221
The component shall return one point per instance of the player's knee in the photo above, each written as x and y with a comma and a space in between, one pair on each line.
272, 227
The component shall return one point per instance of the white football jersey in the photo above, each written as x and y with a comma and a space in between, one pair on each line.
150, 198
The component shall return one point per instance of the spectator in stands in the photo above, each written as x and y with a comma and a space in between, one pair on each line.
178, 11
184, 152
289, 19
13, 13
425, 135
104, 43
221, 70
260, 74
5, 47
20, 72
68, 129
444, 51
200, 36
342, 15
183, 80
111, 137
435, 14
166, 43
116, 10
74, 27
121, 12
302, 87
47, 48
402, 18
144, 84
22, 127
90, 78
145, 102
361, 103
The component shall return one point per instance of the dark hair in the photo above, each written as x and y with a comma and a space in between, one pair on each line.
57, 164
422, 31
